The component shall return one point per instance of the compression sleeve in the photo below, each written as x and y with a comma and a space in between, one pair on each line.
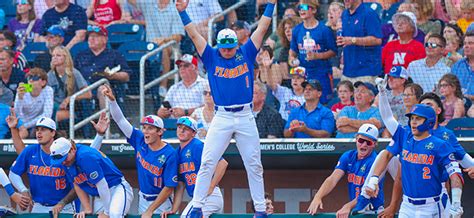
386, 113
104, 194
97, 143
123, 123
467, 161
17, 182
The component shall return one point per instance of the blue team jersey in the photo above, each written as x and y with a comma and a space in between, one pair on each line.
189, 163
448, 136
423, 162
90, 167
357, 171
231, 80
156, 169
48, 184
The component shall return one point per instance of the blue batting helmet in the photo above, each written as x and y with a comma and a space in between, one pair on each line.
423, 111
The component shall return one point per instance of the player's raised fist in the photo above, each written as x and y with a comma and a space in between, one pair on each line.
107, 91
181, 5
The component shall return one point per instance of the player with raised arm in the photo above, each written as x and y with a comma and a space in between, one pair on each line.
95, 174
356, 164
189, 153
156, 160
231, 76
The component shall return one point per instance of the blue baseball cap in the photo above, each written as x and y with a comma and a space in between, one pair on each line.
398, 72
55, 30
59, 150
367, 85
187, 121
227, 38
470, 28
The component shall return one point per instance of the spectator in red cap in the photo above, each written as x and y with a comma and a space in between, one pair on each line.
184, 97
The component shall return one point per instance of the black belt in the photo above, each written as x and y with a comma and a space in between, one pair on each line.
421, 202
231, 109
46, 204
149, 198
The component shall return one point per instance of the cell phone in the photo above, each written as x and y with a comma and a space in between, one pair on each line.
28, 87
166, 104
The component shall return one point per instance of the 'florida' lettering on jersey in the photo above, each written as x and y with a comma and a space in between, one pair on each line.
156, 169
189, 163
48, 184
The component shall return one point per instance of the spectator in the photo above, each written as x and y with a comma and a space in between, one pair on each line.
388, 30
25, 26
427, 71
411, 96
42, 6
352, 117
285, 34
8, 41
31, 105
424, 9
345, 92
403, 51
335, 23
268, 120
65, 81
312, 119
289, 98
6, 96
132, 14
70, 17
268, 204
397, 79
453, 100
10, 76
274, 40
390, 8
6, 100
463, 68
184, 97
453, 30
201, 12
99, 62
54, 37
446, 10
452, 50
203, 115
467, 15
313, 44
362, 36
266, 65
104, 12
242, 29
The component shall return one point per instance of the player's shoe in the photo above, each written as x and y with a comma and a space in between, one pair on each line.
260, 215
7, 211
363, 204
195, 213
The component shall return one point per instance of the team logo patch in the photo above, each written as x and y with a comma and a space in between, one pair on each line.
452, 157
162, 159
94, 175
238, 57
188, 154
362, 169
445, 136
429, 146
175, 178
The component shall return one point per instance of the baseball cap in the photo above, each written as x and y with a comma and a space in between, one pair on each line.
188, 59
240, 24
470, 28
55, 30
369, 130
97, 29
300, 71
398, 72
227, 38
187, 121
410, 15
314, 83
59, 150
152, 120
367, 85
46, 122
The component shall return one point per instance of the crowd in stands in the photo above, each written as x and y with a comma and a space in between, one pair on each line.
314, 76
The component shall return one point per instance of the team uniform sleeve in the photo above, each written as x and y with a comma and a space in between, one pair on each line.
136, 138
459, 151
170, 171
250, 50
395, 146
445, 155
91, 166
21, 163
343, 161
207, 56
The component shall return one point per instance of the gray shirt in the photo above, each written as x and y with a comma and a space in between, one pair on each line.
60, 89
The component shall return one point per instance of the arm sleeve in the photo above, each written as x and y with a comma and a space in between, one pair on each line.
17, 181
343, 161
123, 123
4, 178
93, 169
97, 143
467, 161
386, 114
104, 194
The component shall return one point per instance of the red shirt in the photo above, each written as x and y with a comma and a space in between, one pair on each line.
396, 54
338, 106
108, 12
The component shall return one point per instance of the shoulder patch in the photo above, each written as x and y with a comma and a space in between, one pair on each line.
175, 178
452, 157
162, 159
94, 175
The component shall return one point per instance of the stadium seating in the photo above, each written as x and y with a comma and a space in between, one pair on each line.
9, 8
33, 49
462, 127
125, 33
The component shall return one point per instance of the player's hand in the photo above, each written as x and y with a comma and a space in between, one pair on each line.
372, 188
81, 214
181, 5
470, 172
57, 209
344, 211
272, 1
177, 112
27, 195
20, 91
102, 125
21, 200
164, 112
388, 212
316, 204
107, 91
382, 84
147, 214
12, 120
166, 213
456, 210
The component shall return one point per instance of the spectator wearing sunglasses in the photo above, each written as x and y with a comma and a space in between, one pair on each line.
356, 163
313, 44
427, 71
25, 26
185, 96
34, 100
11, 76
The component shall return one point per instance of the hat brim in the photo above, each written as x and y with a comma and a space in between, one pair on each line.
151, 125
367, 135
186, 126
58, 162
233, 45
40, 125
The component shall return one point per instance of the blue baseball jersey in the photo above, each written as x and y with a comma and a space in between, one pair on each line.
423, 162
357, 171
231, 80
156, 169
447, 135
48, 184
189, 163
90, 167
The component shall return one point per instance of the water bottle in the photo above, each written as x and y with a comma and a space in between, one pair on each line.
339, 32
295, 62
308, 43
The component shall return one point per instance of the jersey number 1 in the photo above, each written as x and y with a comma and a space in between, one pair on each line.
426, 173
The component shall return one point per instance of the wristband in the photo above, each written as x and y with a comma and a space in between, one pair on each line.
185, 18
9, 189
269, 10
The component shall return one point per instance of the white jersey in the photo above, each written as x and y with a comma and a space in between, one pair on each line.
288, 100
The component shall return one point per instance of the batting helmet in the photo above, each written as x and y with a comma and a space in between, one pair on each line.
423, 111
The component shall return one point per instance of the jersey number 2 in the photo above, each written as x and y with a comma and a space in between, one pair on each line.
426, 173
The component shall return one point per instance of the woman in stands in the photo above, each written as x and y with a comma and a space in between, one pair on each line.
452, 98
25, 26
65, 80
285, 34
105, 12
411, 95
204, 114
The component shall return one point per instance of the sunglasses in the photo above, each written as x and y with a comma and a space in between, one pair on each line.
432, 45
206, 93
34, 78
56, 157
22, 2
227, 41
443, 85
92, 28
304, 7
368, 142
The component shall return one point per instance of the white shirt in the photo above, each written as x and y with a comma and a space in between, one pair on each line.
288, 100
427, 77
30, 108
187, 97
200, 10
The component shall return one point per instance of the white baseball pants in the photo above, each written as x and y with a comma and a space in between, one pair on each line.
214, 203
38, 208
121, 197
432, 209
143, 205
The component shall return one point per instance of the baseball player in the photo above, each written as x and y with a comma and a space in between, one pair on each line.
95, 174
356, 163
189, 153
21, 200
231, 76
156, 160
49, 187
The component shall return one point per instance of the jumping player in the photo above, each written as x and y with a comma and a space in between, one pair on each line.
156, 160
49, 187
230, 74
95, 174
356, 163
189, 153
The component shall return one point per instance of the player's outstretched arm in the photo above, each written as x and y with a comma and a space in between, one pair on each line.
164, 194
327, 186
372, 188
199, 42
12, 121
177, 199
345, 210
384, 106
63, 202
117, 113
218, 174
263, 24
85, 201
100, 127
